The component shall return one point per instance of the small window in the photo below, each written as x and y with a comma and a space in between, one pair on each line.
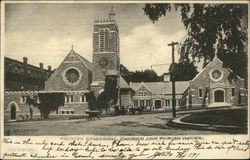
72, 112
22, 99
147, 102
66, 99
200, 92
63, 112
167, 102
67, 112
135, 103
69, 99
141, 103
83, 98
140, 93
179, 102
233, 92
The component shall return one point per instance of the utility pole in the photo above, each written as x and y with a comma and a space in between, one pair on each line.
173, 78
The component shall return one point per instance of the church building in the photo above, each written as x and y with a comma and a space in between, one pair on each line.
76, 77
213, 88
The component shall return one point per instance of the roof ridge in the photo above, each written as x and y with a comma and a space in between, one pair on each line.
82, 59
20, 62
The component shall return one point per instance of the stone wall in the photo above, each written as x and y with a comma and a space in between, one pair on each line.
57, 83
99, 71
22, 110
205, 82
113, 37
125, 97
143, 89
72, 109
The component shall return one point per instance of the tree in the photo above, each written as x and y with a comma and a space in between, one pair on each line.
147, 75
30, 102
111, 91
91, 101
49, 102
124, 71
185, 71
102, 103
210, 27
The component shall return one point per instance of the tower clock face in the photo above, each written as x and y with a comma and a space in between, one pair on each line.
103, 61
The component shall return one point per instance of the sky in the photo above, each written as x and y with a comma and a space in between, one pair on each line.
45, 33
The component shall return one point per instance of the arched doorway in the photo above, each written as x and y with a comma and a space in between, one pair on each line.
13, 112
219, 96
157, 104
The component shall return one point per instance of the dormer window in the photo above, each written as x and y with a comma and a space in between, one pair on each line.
142, 93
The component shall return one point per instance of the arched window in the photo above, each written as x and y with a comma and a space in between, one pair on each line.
104, 40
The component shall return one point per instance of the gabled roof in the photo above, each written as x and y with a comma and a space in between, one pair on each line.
210, 63
84, 61
10, 60
215, 59
142, 84
163, 87
123, 83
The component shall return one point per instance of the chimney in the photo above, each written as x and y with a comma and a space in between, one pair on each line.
166, 77
41, 65
25, 60
49, 68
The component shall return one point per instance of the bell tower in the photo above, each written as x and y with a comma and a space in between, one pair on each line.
106, 52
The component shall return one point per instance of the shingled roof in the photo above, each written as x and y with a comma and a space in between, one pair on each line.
85, 61
123, 83
162, 87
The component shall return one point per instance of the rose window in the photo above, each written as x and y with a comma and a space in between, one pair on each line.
216, 74
72, 75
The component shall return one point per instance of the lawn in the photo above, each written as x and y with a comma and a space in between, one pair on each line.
231, 117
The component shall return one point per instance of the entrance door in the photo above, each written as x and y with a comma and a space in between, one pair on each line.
219, 96
13, 112
157, 104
